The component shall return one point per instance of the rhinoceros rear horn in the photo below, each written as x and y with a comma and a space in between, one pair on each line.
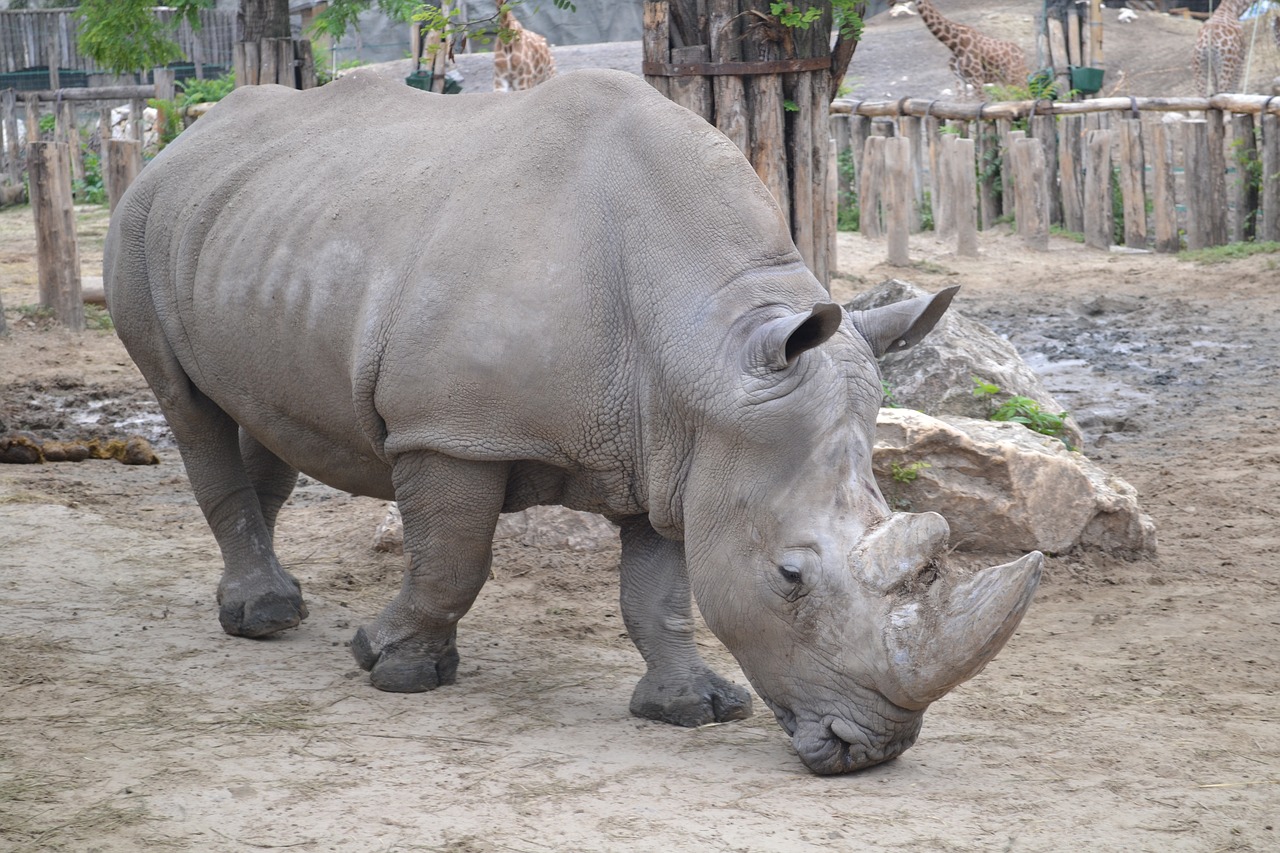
898, 326
777, 344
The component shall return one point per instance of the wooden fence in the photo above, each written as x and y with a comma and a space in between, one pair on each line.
1146, 173
46, 39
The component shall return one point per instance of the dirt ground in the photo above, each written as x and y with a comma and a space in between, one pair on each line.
1136, 708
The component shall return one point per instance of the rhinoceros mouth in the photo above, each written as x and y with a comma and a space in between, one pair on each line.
829, 744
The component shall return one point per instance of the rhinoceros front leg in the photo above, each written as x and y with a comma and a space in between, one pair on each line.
450, 509
657, 608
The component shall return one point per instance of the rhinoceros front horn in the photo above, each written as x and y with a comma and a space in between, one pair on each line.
945, 634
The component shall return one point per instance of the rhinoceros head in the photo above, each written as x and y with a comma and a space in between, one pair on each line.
843, 614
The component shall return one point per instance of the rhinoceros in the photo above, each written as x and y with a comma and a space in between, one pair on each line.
578, 295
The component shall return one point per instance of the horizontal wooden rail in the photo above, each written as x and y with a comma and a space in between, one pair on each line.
100, 93
963, 111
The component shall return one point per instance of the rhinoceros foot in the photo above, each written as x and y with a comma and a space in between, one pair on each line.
406, 666
258, 610
693, 699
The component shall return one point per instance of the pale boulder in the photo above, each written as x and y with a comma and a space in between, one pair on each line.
936, 375
1005, 488
537, 526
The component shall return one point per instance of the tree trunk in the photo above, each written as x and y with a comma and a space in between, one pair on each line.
767, 87
264, 19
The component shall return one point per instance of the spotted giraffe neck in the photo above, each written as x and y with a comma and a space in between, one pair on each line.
1232, 9
947, 32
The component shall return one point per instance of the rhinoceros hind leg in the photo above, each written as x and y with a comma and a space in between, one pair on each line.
678, 687
261, 612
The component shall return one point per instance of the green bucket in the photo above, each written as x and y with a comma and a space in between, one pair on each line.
422, 80
1086, 81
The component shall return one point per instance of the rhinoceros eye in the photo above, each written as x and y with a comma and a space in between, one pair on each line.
790, 574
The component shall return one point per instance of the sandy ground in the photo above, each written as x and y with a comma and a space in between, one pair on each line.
1136, 709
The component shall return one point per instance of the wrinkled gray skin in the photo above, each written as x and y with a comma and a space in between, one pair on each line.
577, 295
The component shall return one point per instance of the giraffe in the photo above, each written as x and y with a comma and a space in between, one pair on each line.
975, 58
524, 61
1219, 50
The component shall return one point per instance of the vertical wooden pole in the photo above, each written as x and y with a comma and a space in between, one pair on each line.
964, 193
1217, 165
31, 105
910, 128
817, 121
897, 206
58, 261
724, 25
1032, 193
1244, 189
68, 132
932, 142
166, 88
800, 143
1199, 195
1164, 209
124, 161
268, 58
13, 167
1009, 171
840, 132
657, 42
1270, 178
104, 136
306, 65
1073, 35
870, 181
1045, 129
51, 57
1133, 166
833, 215
1070, 163
287, 65
944, 220
859, 130
1003, 128
137, 119
988, 152
1098, 219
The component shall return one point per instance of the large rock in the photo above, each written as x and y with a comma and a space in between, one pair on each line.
538, 526
1004, 488
936, 375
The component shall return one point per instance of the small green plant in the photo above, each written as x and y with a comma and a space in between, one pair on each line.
790, 106
926, 212
97, 319
91, 189
789, 16
47, 123
1023, 410
848, 215
886, 396
1117, 208
207, 91
1059, 231
1229, 252
907, 473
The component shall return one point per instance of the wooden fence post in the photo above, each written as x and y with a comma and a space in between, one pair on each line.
987, 152
124, 161
1070, 161
57, 259
1164, 209
1003, 128
1199, 181
1045, 128
840, 133
1217, 163
910, 128
13, 167
944, 220
1032, 191
67, 131
1133, 169
31, 105
963, 189
164, 78
1244, 189
897, 204
1270, 177
870, 180
1098, 220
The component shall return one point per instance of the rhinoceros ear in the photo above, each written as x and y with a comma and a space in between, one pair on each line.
778, 343
898, 326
